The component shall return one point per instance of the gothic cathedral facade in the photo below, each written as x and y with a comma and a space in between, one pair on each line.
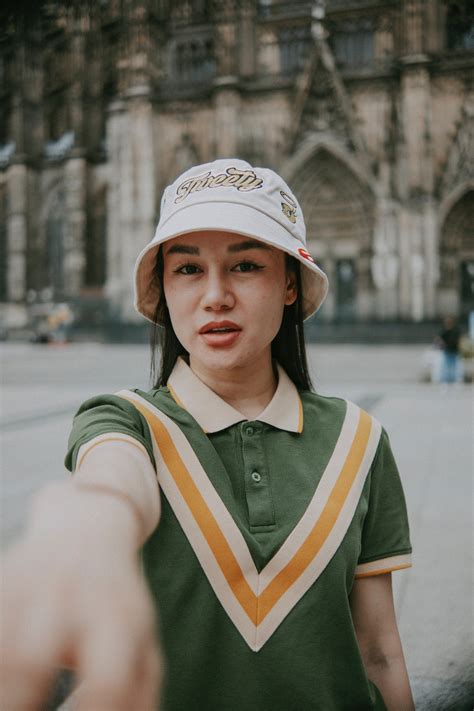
366, 108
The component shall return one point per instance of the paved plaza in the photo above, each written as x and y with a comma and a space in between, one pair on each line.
430, 428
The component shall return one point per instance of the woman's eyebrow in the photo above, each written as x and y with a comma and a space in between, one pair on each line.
248, 244
239, 247
183, 249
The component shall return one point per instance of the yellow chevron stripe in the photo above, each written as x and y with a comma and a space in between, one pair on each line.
203, 515
258, 607
300, 415
175, 397
323, 525
382, 571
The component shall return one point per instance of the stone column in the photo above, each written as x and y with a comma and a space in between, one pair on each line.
131, 197
429, 222
385, 263
76, 89
17, 235
417, 266
227, 118
418, 234
226, 95
247, 47
17, 121
75, 183
413, 27
17, 228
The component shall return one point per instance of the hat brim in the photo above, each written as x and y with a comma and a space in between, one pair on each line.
227, 217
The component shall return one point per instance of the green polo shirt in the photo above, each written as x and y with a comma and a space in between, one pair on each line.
264, 526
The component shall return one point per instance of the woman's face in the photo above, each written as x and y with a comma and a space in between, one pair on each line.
215, 277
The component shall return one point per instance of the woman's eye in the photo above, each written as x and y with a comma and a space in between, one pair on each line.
247, 267
190, 269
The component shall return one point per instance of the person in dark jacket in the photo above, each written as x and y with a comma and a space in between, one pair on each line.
449, 339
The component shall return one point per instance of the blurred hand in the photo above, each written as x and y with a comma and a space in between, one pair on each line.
73, 596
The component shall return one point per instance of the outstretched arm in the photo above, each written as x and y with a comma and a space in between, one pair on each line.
376, 628
73, 593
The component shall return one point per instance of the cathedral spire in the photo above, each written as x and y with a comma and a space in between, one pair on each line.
322, 105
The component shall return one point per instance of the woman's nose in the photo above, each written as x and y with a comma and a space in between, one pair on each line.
217, 292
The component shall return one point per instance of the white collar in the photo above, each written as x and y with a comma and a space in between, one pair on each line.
213, 414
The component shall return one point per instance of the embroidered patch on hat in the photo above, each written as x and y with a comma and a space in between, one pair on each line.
240, 178
304, 253
288, 206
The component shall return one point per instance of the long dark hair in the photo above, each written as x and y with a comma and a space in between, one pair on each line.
288, 346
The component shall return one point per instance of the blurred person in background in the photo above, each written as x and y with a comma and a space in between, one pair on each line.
264, 568
448, 341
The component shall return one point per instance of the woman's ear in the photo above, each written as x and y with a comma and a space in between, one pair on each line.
291, 289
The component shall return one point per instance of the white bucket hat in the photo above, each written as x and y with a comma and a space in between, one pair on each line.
233, 196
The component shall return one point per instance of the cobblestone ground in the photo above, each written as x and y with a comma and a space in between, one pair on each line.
430, 428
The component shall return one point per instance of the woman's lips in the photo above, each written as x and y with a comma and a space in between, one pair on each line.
220, 334
219, 326
220, 340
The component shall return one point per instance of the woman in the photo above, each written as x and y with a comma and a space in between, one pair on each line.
269, 553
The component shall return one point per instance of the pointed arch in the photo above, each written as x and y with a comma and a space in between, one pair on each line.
454, 196
458, 171
457, 250
311, 146
339, 208
335, 203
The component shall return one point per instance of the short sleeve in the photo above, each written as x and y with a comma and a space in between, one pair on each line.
385, 544
103, 415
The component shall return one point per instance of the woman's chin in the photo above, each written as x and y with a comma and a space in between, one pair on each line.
216, 358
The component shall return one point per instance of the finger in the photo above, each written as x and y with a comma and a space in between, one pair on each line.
150, 674
108, 665
144, 694
29, 661
25, 691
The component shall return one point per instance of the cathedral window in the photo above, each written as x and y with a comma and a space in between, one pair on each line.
5, 112
460, 26
57, 116
342, 3
264, 8
190, 11
346, 292
194, 60
353, 43
294, 44
7, 81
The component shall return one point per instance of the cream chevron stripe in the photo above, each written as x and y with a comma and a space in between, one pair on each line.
243, 619
258, 603
232, 590
323, 491
199, 483
321, 543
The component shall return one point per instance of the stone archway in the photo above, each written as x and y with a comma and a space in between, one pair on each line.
339, 212
457, 257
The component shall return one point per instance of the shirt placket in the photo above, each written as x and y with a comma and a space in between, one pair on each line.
256, 477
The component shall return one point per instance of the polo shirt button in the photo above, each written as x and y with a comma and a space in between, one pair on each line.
256, 477
249, 431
